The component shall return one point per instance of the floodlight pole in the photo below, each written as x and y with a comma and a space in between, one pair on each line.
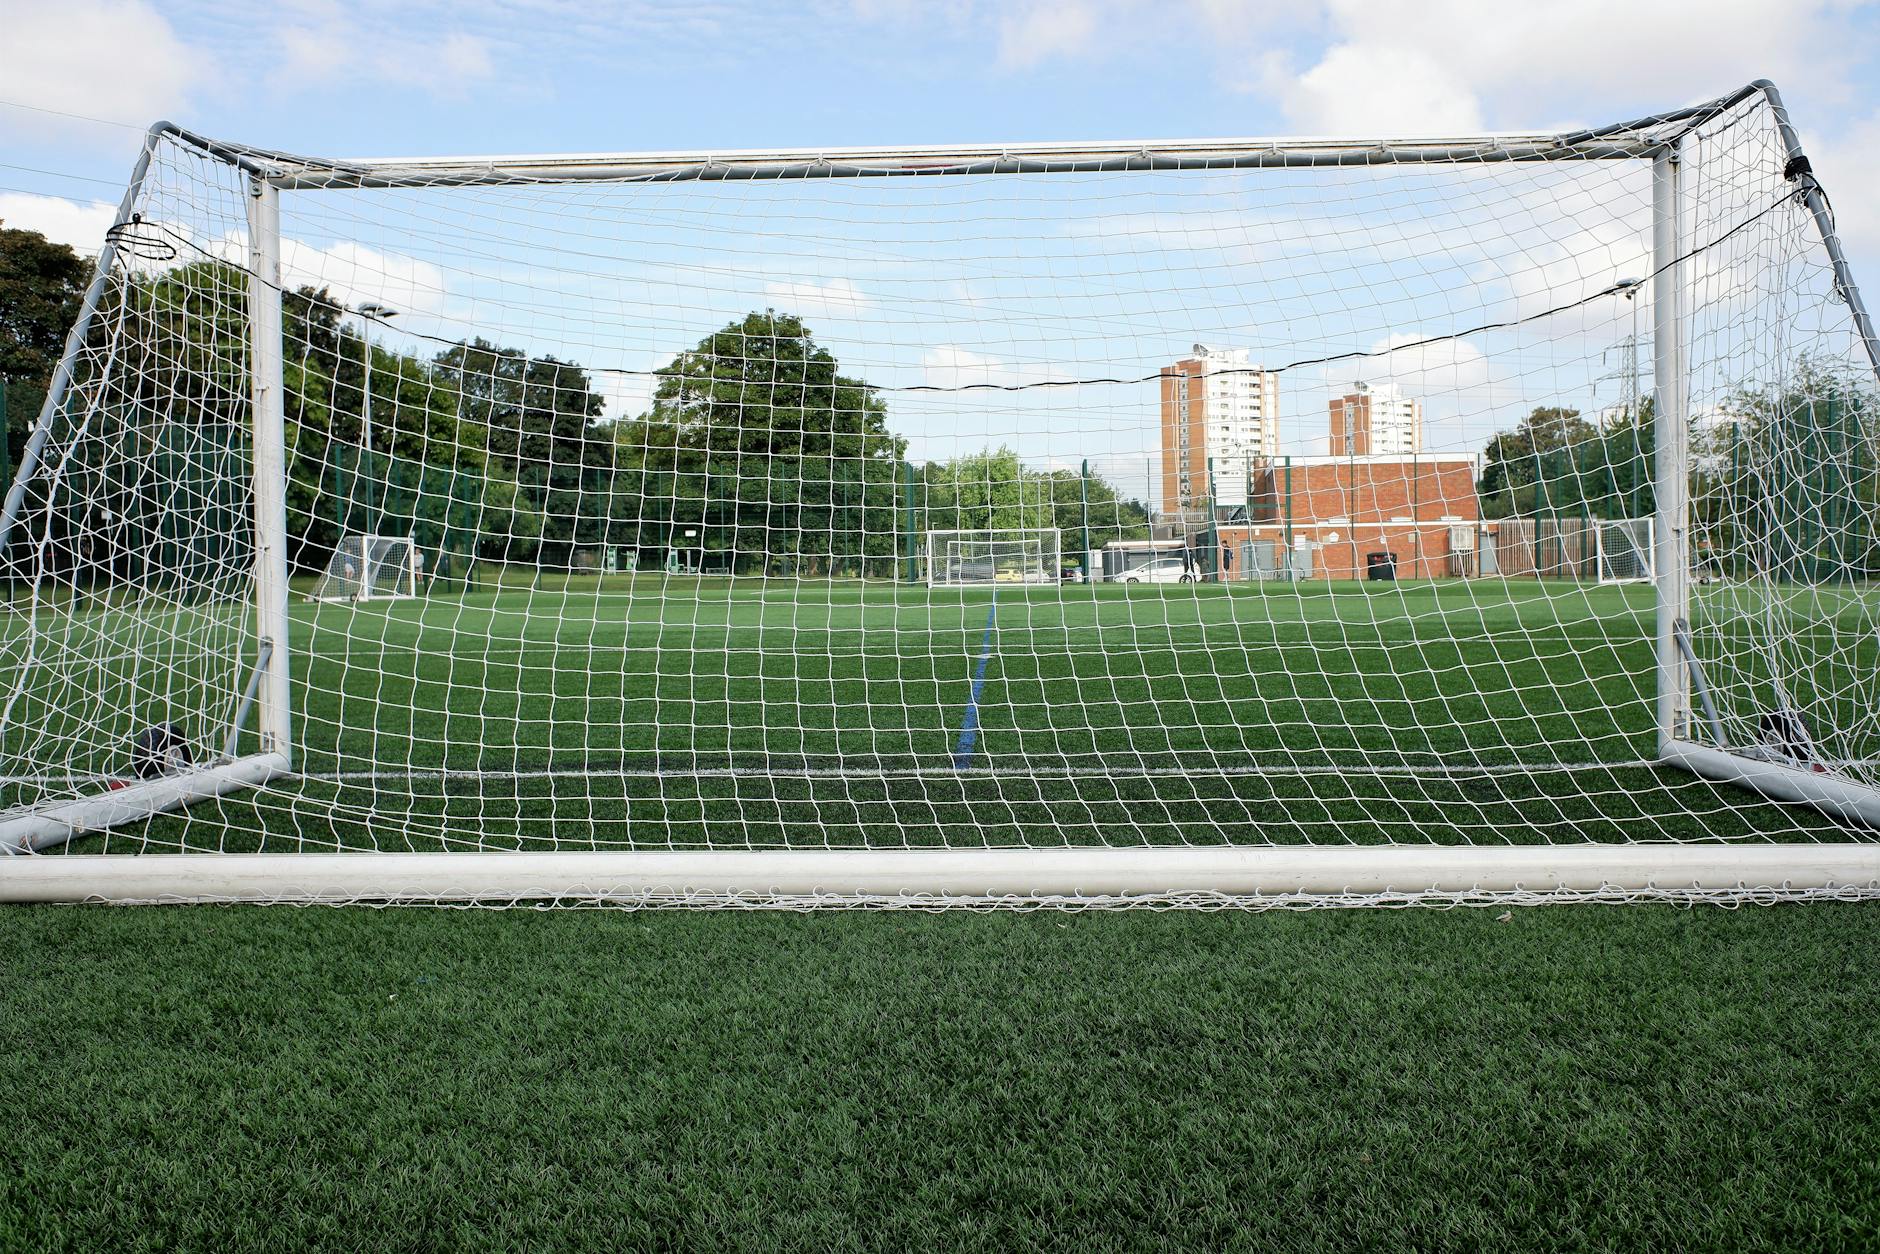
368, 312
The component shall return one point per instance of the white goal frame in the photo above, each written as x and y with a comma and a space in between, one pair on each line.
1083, 875
403, 590
1645, 553
940, 561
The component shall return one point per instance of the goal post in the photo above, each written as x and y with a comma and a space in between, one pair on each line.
1671, 451
270, 686
994, 556
1624, 550
91, 791
1774, 754
370, 568
806, 362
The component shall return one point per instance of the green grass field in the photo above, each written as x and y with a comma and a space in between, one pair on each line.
1574, 1078
202, 1077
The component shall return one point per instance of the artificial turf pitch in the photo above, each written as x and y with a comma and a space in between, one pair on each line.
654, 712
1573, 1077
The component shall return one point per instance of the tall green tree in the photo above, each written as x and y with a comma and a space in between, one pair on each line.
994, 489
1560, 464
1522, 467
422, 474
1787, 482
550, 459
158, 483
758, 438
1080, 501
990, 489
42, 285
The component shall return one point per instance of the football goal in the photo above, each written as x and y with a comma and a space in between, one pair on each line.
841, 385
965, 559
1623, 550
370, 568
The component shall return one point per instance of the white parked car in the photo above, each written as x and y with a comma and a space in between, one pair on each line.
1161, 570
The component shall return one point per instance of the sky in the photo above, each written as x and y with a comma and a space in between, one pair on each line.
79, 79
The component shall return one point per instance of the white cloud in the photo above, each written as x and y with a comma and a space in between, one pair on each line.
627, 395
950, 366
1392, 67
449, 68
1357, 88
325, 46
1044, 31
1379, 67
354, 274
838, 298
1421, 367
1850, 174
465, 56
112, 59
78, 226
312, 54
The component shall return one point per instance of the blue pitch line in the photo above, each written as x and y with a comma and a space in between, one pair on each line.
969, 725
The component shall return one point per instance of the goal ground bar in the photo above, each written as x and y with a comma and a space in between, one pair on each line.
64, 820
939, 875
1838, 797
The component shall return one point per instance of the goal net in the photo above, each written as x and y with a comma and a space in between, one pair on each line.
989, 558
370, 568
1552, 630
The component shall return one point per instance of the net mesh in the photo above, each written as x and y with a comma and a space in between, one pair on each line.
673, 455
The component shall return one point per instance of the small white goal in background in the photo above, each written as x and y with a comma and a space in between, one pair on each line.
1624, 550
986, 558
370, 568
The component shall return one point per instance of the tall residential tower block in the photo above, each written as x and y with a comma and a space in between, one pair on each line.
1220, 415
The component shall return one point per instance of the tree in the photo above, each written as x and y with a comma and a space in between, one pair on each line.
1082, 501
550, 462
42, 285
1786, 482
758, 438
1524, 469
422, 475
484, 444
995, 489
983, 491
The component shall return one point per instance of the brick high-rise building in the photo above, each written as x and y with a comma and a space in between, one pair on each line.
1217, 408
1376, 420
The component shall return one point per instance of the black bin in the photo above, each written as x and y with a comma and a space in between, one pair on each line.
1380, 566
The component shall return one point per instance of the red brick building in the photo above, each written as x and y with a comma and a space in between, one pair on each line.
1420, 508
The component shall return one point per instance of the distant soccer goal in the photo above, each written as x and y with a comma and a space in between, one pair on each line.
370, 568
810, 372
1623, 550
981, 559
